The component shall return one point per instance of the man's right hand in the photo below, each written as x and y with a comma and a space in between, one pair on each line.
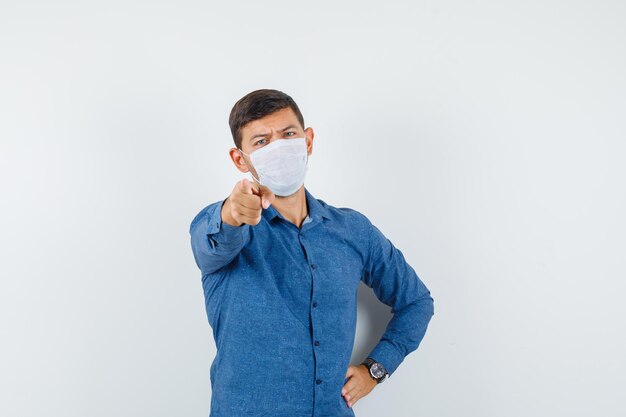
245, 203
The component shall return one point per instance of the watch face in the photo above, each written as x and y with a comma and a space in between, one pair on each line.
378, 370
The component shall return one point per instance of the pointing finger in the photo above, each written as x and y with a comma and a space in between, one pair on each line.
247, 187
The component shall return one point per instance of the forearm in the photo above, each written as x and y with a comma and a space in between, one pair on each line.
214, 241
404, 332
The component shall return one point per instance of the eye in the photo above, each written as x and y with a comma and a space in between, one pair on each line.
293, 133
259, 141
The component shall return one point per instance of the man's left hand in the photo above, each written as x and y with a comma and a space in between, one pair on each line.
359, 385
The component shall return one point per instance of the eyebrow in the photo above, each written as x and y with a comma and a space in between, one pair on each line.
265, 134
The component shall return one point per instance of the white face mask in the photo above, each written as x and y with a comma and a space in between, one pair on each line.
281, 165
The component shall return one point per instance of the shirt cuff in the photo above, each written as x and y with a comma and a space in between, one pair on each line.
387, 354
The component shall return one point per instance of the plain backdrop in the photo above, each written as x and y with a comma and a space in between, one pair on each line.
486, 139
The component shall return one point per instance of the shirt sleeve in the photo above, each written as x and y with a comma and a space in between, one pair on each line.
215, 243
396, 284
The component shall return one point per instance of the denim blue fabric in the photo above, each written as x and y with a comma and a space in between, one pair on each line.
282, 304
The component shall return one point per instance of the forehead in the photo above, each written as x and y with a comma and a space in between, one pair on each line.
275, 121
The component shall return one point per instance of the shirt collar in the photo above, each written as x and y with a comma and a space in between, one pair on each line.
315, 208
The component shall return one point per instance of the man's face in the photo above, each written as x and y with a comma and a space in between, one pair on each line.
282, 124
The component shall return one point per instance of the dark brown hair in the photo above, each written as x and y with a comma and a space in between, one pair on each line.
256, 105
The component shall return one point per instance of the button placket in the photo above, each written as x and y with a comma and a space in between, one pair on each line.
312, 267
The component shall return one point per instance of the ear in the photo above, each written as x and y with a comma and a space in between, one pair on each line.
309, 135
238, 160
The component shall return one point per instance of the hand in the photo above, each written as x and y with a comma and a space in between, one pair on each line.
359, 385
245, 203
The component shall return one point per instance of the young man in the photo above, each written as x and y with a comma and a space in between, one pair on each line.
280, 273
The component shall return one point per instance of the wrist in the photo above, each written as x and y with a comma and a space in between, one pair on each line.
375, 369
225, 214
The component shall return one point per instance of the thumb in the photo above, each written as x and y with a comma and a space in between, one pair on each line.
267, 196
350, 371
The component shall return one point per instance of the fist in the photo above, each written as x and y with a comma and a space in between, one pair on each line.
245, 203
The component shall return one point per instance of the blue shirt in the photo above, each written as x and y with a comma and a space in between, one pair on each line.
282, 304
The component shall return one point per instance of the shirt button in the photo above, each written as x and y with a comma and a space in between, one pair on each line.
313, 266
314, 305
318, 381
317, 343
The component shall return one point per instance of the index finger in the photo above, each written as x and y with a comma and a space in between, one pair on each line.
247, 187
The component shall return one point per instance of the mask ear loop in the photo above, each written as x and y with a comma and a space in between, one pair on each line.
250, 171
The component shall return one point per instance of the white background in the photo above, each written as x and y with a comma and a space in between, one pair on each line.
486, 139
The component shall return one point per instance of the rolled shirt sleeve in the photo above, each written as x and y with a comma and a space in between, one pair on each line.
215, 243
396, 284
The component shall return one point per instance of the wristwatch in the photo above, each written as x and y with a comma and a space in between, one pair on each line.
377, 370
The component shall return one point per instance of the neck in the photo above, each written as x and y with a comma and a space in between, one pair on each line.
293, 207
